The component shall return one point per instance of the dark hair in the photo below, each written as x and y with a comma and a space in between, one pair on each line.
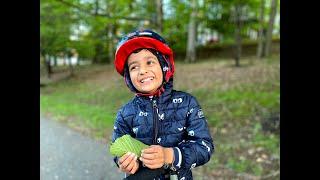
153, 51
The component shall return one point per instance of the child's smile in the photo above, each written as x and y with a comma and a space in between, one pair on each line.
147, 79
145, 82
145, 71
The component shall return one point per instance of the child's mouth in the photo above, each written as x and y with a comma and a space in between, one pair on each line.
145, 80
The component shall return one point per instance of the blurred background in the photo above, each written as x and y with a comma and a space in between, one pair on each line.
227, 55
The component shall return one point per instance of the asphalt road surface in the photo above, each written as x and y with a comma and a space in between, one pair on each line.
66, 154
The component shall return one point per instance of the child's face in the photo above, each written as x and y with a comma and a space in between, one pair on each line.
145, 71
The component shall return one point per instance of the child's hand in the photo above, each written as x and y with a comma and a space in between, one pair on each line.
155, 156
128, 163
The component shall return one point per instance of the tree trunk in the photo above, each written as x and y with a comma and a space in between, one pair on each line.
70, 65
159, 17
97, 48
270, 27
96, 57
261, 37
110, 28
48, 66
55, 61
192, 34
96, 7
238, 45
238, 38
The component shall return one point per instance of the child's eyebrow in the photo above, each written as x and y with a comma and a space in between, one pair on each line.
147, 57
134, 62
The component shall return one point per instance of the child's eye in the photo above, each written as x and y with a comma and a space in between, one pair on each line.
149, 62
133, 68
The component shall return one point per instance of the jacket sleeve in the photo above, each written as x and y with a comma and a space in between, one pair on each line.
120, 128
197, 148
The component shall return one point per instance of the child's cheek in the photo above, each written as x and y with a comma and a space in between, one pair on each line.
133, 79
135, 83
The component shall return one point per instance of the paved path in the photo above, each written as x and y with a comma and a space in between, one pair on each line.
65, 154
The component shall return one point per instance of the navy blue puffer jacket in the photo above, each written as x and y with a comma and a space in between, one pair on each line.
174, 119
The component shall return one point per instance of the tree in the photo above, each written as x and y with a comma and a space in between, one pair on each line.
232, 20
270, 27
238, 20
175, 25
261, 37
55, 29
102, 17
68, 56
159, 16
238, 16
192, 34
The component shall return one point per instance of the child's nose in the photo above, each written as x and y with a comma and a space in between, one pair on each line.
143, 71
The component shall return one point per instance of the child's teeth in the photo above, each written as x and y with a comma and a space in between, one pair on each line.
148, 79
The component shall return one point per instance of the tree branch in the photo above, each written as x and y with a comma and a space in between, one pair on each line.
102, 15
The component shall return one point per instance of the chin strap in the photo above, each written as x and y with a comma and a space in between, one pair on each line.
157, 93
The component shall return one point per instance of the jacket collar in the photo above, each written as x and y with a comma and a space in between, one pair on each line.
162, 98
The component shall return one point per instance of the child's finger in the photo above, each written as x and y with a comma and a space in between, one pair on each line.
135, 167
130, 171
127, 161
150, 150
149, 156
124, 157
130, 165
147, 161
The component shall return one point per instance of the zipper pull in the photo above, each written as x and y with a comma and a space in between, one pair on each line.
155, 106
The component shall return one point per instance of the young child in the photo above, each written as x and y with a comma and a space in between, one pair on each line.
170, 121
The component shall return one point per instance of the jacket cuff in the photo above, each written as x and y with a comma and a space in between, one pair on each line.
177, 159
115, 159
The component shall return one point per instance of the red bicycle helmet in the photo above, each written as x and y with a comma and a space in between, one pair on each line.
142, 39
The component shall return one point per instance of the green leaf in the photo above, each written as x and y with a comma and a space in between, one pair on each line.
125, 144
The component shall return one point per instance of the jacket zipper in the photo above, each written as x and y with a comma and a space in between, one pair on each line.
155, 120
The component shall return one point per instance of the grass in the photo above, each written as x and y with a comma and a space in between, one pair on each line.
234, 101
83, 107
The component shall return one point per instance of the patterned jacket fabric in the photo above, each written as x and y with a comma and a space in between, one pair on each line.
174, 119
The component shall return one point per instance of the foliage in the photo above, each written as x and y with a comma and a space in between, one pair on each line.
125, 144
59, 21
54, 28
